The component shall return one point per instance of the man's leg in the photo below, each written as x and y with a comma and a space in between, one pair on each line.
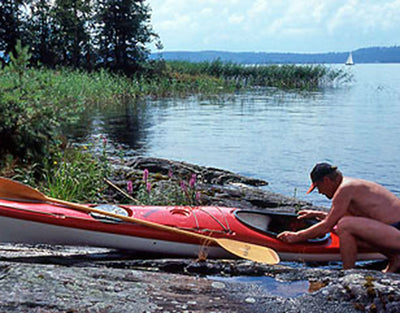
380, 236
348, 244
393, 263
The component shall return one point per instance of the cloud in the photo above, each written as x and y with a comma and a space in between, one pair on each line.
258, 8
366, 16
279, 25
236, 19
175, 23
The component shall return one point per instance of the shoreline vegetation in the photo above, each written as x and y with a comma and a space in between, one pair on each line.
36, 103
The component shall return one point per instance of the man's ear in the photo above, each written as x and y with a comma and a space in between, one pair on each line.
326, 179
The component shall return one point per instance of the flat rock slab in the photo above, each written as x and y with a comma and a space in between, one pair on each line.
53, 288
76, 279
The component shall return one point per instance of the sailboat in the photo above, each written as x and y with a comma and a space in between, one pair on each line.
350, 60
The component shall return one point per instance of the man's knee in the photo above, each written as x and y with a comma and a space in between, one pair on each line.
344, 224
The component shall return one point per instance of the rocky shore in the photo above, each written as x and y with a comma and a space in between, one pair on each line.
216, 186
74, 279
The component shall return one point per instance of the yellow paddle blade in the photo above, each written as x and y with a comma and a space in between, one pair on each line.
249, 251
14, 190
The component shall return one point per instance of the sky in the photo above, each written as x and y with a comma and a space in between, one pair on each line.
302, 26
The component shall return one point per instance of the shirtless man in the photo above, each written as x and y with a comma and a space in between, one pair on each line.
365, 215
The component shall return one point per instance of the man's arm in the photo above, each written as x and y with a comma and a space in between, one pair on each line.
304, 214
314, 231
340, 204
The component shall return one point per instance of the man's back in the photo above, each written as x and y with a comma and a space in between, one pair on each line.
369, 199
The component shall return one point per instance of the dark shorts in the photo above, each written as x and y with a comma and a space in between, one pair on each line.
396, 225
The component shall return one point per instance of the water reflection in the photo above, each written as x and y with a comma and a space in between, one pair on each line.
125, 126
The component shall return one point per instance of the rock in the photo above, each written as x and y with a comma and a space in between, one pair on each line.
76, 279
207, 175
218, 285
216, 187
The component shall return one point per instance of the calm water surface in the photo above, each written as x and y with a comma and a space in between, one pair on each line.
270, 134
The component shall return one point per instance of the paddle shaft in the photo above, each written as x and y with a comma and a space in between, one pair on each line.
121, 191
132, 220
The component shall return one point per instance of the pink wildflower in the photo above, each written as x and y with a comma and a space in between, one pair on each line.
183, 186
145, 175
170, 173
192, 181
104, 140
129, 187
148, 188
198, 196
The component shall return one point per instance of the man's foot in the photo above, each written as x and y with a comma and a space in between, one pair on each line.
393, 264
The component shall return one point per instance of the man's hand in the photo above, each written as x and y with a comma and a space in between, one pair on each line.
289, 237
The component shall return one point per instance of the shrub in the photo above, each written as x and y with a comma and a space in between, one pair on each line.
30, 119
75, 175
173, 191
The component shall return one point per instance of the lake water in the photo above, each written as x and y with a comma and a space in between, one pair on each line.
274, 135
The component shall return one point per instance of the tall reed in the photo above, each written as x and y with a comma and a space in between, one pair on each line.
282, 76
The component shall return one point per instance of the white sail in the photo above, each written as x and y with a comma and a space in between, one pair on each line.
350, 59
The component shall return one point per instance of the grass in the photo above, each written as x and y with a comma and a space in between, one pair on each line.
80, 88
76, 176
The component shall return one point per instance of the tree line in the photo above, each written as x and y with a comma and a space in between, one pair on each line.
87, 34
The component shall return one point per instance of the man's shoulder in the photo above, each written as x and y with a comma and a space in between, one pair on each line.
354, 182
350, 184
355, 186
347, 182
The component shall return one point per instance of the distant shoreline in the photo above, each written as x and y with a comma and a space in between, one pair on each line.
360, 56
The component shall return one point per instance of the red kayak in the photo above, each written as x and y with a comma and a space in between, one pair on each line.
38, 222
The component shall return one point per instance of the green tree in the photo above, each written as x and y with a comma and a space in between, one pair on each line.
11, 20
123, 31
73, 19
41, 33
110, 34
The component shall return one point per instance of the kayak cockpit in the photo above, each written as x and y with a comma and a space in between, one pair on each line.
110, 208
273, 223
